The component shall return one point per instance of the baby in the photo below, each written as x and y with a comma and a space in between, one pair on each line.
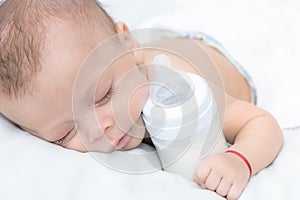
44, 43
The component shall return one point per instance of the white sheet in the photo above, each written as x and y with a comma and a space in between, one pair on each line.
33, 169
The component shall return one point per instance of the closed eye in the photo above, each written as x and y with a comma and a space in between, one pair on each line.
65, 138
106, 98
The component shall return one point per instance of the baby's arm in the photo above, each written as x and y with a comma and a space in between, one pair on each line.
255, 134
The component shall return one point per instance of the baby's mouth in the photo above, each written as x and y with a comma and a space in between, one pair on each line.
123, 141
136, 131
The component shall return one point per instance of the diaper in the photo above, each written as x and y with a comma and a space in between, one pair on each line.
215, 44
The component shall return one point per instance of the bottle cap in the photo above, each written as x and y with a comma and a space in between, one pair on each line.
177, 100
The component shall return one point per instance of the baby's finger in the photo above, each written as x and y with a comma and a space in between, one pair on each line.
201, 174
234, 192
223, 187
213, 180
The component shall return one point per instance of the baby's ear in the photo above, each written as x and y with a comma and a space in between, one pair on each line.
125, 36
129, 41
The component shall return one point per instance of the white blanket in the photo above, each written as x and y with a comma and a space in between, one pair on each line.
32, 169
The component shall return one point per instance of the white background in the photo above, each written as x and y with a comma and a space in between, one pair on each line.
262, 35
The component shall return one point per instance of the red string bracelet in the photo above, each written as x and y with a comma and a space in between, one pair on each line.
242, 157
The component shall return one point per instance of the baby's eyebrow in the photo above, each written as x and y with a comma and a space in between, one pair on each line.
27, 129
56, 132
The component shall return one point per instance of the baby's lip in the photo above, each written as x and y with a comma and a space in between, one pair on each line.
122, 142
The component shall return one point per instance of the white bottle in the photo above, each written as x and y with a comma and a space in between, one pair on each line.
181, 118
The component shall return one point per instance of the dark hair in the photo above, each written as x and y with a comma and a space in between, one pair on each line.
22, 36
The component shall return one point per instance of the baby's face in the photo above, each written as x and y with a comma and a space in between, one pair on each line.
47, 112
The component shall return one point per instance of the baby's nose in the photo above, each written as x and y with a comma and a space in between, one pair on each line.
105, 122
108, 137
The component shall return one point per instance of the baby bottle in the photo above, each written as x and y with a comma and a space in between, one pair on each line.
181, 118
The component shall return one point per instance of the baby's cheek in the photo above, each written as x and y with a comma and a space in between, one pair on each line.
145, 93
140, 98
137, 133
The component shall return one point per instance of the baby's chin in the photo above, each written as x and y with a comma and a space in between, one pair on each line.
133, 143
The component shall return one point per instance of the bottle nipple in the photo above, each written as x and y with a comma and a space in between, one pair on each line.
169, 87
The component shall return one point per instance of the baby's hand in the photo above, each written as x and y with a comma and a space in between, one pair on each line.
226, 174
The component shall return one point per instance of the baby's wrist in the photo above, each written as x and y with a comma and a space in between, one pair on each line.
242, 157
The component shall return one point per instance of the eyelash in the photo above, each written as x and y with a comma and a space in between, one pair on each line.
63, 139
106, 98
